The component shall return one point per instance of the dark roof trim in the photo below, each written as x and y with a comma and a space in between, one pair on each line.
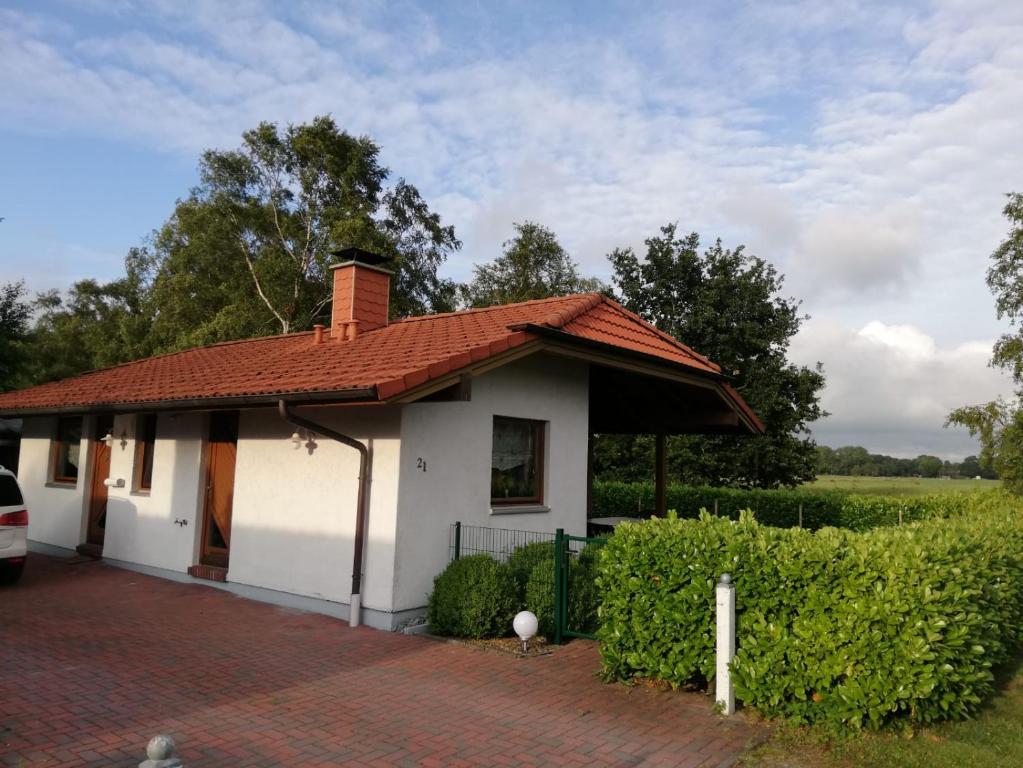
721, 382
613, 349
359, 256
362, 395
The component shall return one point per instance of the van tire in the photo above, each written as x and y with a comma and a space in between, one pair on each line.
9, 574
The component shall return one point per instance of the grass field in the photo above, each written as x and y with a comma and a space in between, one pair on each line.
897, 486
991, 740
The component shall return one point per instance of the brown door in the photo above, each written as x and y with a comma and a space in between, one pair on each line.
216, 524
97, 488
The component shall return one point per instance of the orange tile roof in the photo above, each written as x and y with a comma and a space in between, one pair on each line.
378, 365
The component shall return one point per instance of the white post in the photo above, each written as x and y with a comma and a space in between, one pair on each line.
354, 610
725, 594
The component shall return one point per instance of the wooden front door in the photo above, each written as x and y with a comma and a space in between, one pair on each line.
216, 524
97, 526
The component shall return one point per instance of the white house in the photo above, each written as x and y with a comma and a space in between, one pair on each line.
239, 463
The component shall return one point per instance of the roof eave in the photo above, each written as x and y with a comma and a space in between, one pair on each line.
571, 338
362, 395
722, 381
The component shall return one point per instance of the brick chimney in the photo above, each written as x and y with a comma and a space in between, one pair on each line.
361, 292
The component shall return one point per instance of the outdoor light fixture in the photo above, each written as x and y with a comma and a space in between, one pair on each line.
525, 626
109, 438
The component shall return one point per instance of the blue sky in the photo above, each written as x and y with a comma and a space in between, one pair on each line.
862, 147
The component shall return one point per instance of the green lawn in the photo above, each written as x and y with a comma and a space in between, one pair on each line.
991, 740
897, 486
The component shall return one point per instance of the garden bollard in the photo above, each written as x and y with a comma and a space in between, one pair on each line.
725, 599
161, 753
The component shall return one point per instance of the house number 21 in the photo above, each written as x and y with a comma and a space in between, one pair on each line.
421, 464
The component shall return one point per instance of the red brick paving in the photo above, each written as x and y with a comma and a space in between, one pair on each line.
95, 660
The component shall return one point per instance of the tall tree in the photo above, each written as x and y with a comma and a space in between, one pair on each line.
15, 312
727, 305
94, 325
248, 252
999, 424
532, 266
1005, 279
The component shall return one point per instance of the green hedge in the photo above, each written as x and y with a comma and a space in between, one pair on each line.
473, 597
777, 508
525, 558
583, 595
540, 596
834, 626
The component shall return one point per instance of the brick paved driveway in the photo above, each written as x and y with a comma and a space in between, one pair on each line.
95, 660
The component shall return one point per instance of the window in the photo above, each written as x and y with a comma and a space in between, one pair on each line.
145, 443
516, 467
10, 493
67, 449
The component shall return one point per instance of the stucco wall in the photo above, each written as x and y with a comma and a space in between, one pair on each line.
140, 526
56, 514
293, 524
293, 519
455, 441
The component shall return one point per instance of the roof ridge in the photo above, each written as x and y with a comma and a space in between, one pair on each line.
563, 317
491, 308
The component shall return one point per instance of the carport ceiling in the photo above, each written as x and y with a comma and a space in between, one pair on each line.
627, 402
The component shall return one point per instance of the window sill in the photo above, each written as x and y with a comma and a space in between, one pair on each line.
59, 484
141, 492
518, 509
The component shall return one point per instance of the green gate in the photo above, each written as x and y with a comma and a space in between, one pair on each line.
567, 579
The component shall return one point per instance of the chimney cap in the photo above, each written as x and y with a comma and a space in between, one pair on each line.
350, 254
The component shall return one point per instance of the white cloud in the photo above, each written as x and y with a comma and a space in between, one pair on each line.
862, 147
890, 387
905, 117
852, 251
904, 340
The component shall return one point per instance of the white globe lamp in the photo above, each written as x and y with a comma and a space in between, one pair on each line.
525, 626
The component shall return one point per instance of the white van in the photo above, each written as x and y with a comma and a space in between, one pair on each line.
13, 528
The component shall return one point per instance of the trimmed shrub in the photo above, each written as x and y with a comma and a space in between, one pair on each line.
524, 559
779, 508
851, 629
540, 596
473, 597
583, 595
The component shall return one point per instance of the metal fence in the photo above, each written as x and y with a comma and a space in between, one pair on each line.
496, 542
575, 587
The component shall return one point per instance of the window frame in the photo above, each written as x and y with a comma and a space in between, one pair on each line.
144, 422
539, 462
59, 446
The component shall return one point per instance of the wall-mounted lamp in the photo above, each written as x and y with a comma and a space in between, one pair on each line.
109, 439
297, 439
